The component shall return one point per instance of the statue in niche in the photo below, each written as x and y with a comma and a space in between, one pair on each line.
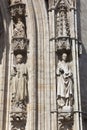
64, 83
15, 1
19, 29
19, 83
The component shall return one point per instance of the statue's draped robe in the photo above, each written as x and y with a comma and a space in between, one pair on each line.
19, 83
64, 81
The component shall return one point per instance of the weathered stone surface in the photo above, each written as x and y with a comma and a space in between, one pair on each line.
82, 28
51, 29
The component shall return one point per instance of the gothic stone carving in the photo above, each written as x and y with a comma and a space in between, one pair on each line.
19, 45
19, 29
64, 93
17, 9
70, 3
19, 74
65, 121
19, 81
62, 26
19, 88
65, 83
18, 120
63, 43
19, 40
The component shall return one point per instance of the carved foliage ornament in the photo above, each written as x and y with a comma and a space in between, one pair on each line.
19, 45
18, 121
17, 9
63, 43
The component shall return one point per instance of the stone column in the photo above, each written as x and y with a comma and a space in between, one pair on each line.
32, 65
43, 79
51, 15
75, 54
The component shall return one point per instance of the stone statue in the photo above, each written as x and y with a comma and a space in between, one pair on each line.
19, 82
19, 30
64, 83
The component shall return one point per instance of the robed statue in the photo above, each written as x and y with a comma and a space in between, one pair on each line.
19, 82
64, 83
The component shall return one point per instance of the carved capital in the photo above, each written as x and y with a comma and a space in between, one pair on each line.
63, 43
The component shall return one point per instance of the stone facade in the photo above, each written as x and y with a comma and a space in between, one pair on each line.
43, 65
83, 58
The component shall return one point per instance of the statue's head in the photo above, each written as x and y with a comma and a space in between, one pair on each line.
64, 56
19, 58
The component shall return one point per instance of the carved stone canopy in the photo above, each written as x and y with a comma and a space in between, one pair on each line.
63, 43
17, 9
62, 26
19, 45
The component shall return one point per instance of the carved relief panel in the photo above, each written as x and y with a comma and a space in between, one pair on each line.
62, 22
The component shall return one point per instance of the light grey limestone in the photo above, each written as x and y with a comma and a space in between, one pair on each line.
41, 63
